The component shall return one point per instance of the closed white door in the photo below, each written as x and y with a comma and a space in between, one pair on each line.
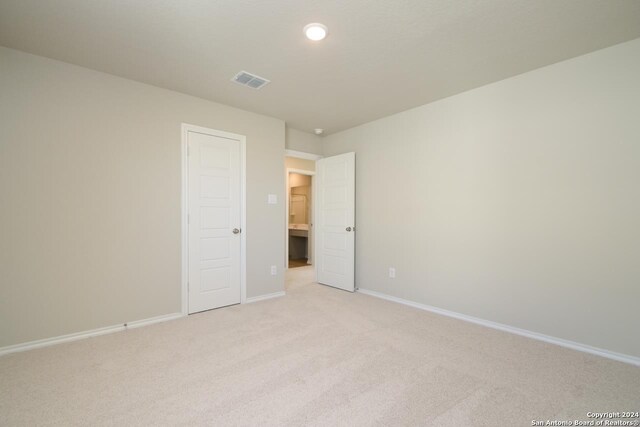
214, 224
335, 224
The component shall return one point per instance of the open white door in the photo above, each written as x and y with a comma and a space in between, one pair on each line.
335, 222
215, 218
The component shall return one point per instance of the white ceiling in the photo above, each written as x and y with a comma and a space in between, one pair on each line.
381, 56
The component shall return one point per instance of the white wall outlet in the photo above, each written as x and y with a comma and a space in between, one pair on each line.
272, 199
274, 270
392, 272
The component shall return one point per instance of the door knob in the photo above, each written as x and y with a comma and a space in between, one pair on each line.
236, 230
348, 228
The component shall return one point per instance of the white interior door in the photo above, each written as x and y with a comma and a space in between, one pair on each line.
214, 226
335, 222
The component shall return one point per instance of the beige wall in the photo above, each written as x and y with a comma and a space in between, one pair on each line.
303, 141
298, 180
524, 198
302, 164
90, 184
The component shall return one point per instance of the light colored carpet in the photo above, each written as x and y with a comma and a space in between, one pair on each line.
318, 356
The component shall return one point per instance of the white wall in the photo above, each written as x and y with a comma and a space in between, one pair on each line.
518, 202
303, 141
90, 184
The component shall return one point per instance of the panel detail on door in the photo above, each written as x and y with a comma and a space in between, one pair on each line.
214, 157
214, 279
333, 195
214, 218
334, 217
213, 248
214, 187
334, 264
336, 241
336, 172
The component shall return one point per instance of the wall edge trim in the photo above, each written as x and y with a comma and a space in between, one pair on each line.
625, 358
265, 297
46, 342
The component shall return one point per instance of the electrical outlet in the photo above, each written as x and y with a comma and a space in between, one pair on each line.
392, 272
274, 270
272, 199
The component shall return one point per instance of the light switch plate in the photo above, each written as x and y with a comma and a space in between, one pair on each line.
274, 270
272, 199
392, 272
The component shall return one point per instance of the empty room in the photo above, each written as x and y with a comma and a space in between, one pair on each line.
320, 213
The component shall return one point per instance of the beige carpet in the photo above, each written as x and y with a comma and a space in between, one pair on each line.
318, 356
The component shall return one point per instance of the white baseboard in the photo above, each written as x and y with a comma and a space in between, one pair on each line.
152, 320
87, 334
511, 329
264, 297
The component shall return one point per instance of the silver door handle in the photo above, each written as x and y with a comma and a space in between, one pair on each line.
348, 228
236, 230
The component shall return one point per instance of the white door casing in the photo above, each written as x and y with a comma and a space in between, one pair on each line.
215, 199
335, 221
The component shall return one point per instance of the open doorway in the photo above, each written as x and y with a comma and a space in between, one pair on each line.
299, 213
300, 218
320, 221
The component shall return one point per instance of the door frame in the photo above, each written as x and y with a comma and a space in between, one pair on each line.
311, 239
301, 155
185, 129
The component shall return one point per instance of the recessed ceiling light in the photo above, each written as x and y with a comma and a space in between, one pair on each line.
318, 131
315, 31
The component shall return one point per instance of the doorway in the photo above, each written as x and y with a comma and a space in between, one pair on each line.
331, 228
300, 205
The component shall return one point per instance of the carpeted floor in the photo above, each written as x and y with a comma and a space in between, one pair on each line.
318, 356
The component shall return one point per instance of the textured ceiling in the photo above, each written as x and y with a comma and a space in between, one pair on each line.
381, 56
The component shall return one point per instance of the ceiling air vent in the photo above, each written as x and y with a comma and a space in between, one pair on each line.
250, 80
